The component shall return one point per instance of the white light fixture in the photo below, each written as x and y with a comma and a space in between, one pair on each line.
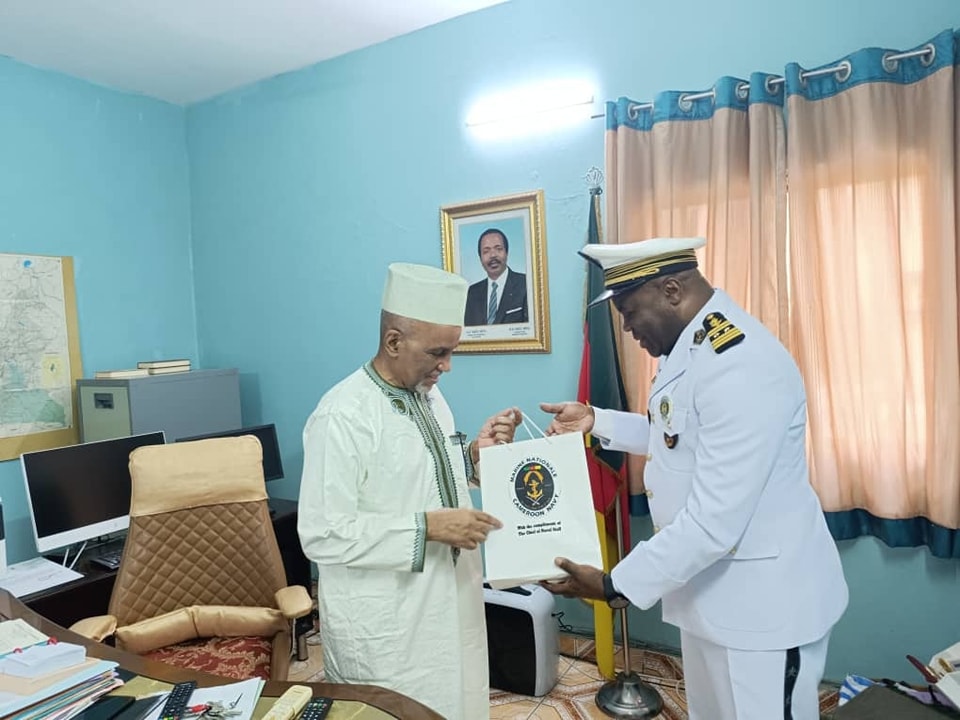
536, 108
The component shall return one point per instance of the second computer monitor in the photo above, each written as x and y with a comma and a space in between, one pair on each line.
266, 434
79, 492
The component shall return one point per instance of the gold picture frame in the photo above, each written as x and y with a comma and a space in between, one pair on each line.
512, 233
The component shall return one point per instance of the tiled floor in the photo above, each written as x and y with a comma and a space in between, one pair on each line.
574, 696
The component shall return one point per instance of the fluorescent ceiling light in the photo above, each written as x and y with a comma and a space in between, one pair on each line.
531, 105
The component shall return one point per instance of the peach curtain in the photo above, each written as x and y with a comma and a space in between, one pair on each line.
705, 164
873, 271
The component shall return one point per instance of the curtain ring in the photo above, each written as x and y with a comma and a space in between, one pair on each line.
890, 64
633, 111
769, 86
844, 71
743, 90
685, 103
929, 55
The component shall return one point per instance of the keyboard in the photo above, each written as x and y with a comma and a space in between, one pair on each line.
109, 559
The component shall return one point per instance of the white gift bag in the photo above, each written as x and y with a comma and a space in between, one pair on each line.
540, 490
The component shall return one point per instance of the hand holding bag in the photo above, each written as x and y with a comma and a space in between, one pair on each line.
540, 490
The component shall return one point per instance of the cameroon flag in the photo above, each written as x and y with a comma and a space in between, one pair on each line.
601, 385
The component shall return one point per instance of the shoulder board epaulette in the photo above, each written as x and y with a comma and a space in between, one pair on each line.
722, 333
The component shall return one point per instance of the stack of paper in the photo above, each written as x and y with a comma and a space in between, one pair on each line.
123, 373
34, 575
41, 679
18, 634
43, 659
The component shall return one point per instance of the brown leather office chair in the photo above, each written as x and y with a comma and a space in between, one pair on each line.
201, 583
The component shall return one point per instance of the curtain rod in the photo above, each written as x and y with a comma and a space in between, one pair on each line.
842, 69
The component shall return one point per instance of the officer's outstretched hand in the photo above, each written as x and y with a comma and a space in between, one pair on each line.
460, 527
569, 417
583, 581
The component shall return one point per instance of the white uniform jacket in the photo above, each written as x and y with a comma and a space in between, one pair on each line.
741, 555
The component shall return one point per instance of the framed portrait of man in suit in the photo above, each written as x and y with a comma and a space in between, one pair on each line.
499, 246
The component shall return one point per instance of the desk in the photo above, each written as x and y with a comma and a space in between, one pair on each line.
392, 703
90, 595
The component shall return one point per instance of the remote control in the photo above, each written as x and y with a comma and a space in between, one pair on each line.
316, 709
289, 704
176, 703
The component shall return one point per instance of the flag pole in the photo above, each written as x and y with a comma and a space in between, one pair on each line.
627, 696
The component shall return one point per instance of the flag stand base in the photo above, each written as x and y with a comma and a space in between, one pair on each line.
629, 697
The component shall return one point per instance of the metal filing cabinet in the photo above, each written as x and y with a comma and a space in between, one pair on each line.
180, 404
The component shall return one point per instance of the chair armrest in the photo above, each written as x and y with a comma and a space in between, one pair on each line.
199, 621
96, 628
294, 601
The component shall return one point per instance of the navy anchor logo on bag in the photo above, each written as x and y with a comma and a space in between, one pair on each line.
533, 485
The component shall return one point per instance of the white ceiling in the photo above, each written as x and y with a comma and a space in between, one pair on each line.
184, 51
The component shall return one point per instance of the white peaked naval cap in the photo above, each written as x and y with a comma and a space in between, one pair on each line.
425, 293
628, 266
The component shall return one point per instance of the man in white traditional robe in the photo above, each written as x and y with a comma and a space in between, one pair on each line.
386, 514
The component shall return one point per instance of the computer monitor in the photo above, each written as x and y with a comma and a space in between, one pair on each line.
266, 434
80, 492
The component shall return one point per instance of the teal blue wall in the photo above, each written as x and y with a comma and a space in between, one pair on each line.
101, 176
305, 187
302, 188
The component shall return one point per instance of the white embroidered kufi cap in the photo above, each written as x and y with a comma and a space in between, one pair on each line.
628, 266
425, 293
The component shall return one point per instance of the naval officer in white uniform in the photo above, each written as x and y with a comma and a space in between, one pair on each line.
740, 556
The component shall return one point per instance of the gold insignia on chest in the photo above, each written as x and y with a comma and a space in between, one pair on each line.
698, 336
722, 333
670, 441
666, 409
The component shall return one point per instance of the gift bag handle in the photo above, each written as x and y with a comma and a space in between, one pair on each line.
528, 423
